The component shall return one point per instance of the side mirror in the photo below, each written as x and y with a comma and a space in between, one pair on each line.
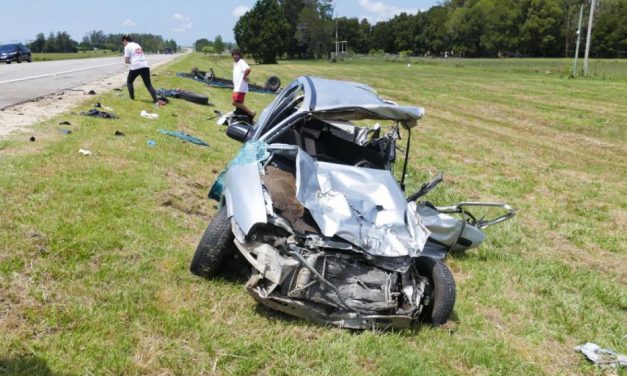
238, 131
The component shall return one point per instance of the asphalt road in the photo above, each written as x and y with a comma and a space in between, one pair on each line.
26, 81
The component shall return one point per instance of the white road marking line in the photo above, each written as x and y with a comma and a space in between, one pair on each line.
57, 73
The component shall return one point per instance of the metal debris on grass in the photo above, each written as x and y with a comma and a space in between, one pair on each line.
602, 357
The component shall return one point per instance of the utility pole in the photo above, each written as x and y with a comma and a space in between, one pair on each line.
578, 39
337, 46
585, 61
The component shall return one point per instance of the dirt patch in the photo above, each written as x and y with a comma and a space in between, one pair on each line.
189, 196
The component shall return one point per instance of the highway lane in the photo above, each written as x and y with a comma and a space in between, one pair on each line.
26, 81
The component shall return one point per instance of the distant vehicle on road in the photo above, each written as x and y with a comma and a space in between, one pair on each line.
15, 52
168, 51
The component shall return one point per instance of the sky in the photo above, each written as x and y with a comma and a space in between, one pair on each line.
185, 21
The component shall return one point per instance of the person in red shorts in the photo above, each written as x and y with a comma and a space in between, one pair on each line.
241, 70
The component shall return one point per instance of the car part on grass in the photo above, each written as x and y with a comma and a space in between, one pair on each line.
602, 357
99, 114
148, 115
185, 137
272, 85
194, 97
171, 93
328, 231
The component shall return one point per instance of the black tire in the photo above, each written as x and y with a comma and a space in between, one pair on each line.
273, 83
30, 58
442, 290
18, 59
194, 98
214, 247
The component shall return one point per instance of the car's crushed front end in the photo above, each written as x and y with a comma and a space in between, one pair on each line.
327, 242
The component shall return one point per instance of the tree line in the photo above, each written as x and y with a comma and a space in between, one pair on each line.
217, 46
62, 42
466, 28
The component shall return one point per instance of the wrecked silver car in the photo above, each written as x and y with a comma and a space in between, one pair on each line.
312, 205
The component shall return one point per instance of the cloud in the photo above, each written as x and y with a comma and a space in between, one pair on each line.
240, 10
185, 23
383, 11
128, 22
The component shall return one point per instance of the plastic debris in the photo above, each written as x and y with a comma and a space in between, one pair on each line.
151, 142
66, 131
65, 123
101, 114
602, 357
91, 92
32, 139
185, 137
148, 115
119, 133
84, 152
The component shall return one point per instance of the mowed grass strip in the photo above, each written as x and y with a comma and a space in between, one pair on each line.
94, 250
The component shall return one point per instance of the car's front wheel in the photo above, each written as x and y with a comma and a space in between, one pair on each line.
18, 58
442, 290
214, 247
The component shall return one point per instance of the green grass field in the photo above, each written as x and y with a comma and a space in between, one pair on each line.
95, 250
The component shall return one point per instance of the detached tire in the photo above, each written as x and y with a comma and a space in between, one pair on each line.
273, 83
194, 98
442, 290
215, 246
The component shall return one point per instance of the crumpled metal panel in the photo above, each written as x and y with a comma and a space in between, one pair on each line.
346, 100
244, 197
364, 206
445, 229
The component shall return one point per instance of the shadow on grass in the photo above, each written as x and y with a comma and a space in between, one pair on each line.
25, 365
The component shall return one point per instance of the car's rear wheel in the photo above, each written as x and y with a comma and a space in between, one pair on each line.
30, 58
442, 290
19, 59
215, 246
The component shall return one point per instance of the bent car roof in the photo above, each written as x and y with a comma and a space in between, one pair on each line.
346, 100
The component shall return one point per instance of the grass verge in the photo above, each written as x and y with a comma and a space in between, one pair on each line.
94, 250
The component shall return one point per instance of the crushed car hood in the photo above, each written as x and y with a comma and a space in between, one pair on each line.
361, 205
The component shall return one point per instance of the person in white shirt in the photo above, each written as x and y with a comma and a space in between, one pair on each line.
241, 70
134, 55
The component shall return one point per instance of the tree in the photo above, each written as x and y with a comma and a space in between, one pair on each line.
540, 34
291, 9
314, 31
434, 37
263, 32
201, 43
218, 45
38, 44
609, 35
51, 43
350, 30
